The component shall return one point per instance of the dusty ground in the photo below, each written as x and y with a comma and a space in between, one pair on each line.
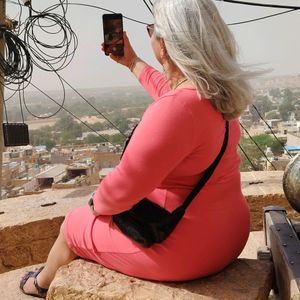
258, 203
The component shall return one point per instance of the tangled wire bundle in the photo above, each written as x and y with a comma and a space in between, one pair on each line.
16, 64
50, 38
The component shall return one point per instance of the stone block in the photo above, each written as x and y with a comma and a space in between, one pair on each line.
29, 225
245, 279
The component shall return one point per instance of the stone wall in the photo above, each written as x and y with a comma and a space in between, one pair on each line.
27, 244
29, 225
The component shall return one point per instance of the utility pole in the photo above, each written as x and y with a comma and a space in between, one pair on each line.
2, 18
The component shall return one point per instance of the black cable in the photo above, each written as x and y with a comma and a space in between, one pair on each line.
101, 114
72, 114
281, 144
4, 104
263, 153
261, 18
107, 10
21, 107
248, 158
59, 53
16, 63
61, 106
147, 5
260, 4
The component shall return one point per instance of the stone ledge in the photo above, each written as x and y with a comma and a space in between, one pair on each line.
245, 279
29, 225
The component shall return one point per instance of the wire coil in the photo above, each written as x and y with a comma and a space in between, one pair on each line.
50, 38
16, 64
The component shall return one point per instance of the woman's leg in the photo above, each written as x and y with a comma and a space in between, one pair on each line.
60, 254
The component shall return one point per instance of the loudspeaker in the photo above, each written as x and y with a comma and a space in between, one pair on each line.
15, 134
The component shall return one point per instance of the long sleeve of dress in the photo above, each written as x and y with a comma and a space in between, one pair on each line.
154, 82
159, 143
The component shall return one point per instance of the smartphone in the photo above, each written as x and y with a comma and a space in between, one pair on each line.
113, 34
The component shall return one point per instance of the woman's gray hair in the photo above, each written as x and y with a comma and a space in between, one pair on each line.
202, 46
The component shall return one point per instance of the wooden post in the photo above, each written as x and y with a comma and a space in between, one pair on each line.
2, 17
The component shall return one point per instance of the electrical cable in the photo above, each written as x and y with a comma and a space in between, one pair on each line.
60, 105
261, 18
107, 10
248, 158
50, 67
21, 107
64, 59
4, 104
101, 114
270, 128
147, 5
16, 63
251, 138
61, 51
72, 114
260, 4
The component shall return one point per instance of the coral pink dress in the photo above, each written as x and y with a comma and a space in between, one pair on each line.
178, 137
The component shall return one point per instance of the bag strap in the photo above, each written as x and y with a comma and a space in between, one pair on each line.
209, 171
128, 140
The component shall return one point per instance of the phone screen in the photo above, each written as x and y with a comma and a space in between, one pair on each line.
113, 34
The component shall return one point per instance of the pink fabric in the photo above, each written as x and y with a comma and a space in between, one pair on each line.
177, 139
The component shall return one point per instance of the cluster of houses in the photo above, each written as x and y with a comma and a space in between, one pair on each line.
28, 169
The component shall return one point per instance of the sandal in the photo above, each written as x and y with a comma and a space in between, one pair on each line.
41, 292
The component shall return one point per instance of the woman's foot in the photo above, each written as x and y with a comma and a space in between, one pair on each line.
30, 286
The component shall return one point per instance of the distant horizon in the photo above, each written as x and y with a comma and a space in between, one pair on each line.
137, 85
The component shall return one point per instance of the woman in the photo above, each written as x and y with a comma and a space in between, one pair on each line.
179, 136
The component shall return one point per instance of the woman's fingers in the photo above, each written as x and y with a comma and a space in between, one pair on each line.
129, 53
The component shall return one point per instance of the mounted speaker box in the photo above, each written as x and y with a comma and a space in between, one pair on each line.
15, 134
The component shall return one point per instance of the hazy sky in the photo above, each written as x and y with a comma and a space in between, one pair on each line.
273, 42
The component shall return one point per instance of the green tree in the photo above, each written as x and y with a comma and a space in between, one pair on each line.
69, 129
287, 104
42, 136
252, 151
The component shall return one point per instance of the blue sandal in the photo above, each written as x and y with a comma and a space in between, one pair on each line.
41, 292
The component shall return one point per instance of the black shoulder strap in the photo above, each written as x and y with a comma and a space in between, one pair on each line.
209, 171
128, 140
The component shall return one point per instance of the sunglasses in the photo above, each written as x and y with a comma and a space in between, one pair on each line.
150, 29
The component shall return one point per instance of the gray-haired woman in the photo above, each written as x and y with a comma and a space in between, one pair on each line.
179, 136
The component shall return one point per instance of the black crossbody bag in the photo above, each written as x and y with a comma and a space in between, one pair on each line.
147, 223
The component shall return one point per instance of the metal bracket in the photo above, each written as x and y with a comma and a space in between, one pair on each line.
284, 244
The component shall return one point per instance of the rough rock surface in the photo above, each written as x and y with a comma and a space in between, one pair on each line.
245, 279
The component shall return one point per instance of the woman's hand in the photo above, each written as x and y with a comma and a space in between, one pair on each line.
129, 54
